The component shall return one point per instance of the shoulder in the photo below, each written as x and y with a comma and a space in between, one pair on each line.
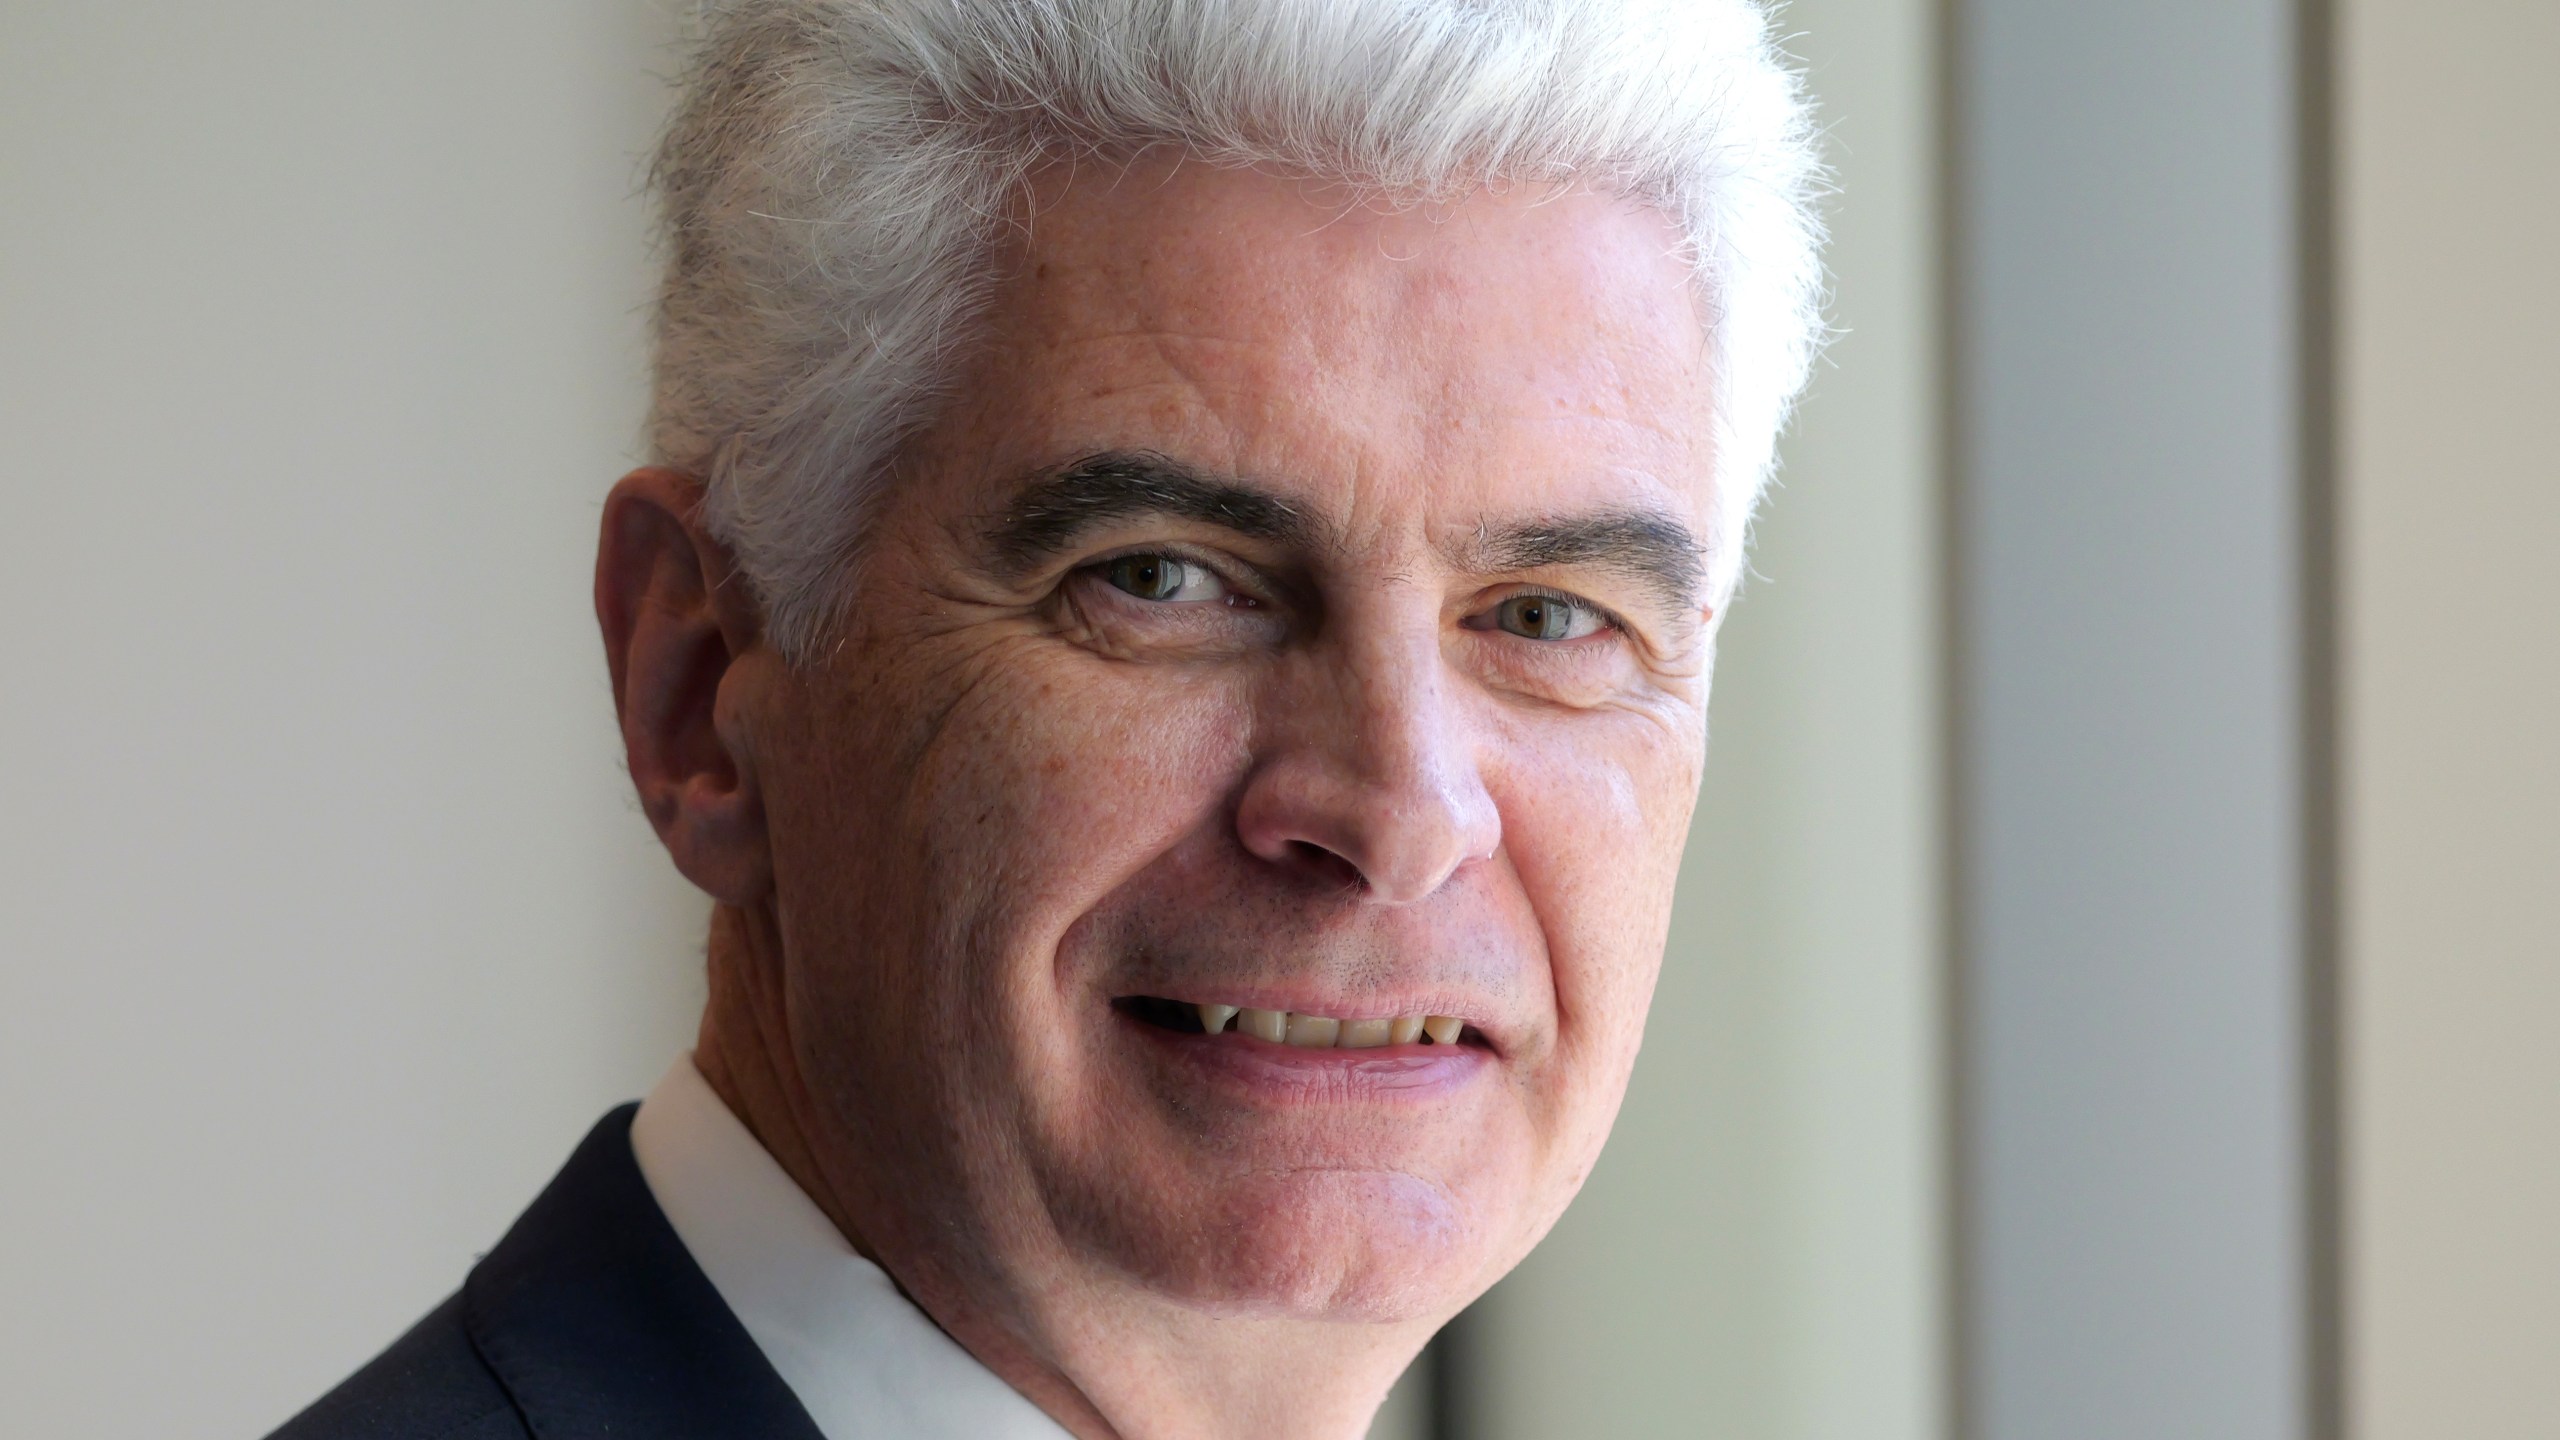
589, 1318
430, 1385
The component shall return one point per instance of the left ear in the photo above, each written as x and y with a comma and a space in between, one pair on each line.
684, 641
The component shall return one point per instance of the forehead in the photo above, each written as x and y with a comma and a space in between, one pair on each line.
1516, 352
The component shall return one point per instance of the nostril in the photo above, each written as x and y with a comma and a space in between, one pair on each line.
1325, 865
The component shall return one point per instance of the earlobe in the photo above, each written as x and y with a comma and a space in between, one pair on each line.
682, 640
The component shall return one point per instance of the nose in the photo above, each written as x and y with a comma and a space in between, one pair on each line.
1370, 775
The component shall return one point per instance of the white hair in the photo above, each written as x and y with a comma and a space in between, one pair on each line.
839, 171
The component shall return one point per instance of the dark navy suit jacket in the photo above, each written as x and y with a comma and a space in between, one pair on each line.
588, 1320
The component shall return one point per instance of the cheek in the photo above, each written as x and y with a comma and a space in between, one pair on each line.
1594, 826
1055, 777
962, 799
964, 807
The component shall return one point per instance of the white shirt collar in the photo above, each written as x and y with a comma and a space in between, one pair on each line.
863, 1360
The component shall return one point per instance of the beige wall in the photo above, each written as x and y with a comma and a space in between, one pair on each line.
1757, 1256
2450, 290
329, 926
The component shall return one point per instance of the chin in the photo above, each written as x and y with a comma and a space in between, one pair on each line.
1362, 1246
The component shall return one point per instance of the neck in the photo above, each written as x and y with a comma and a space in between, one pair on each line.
1106, 1359
743, 1050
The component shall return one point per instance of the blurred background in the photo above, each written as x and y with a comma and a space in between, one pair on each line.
2116, 991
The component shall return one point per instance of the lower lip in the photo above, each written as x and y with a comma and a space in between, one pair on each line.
1276, 1072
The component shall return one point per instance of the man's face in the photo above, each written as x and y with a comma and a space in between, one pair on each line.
1294, 608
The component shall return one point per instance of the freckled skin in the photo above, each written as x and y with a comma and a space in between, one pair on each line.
1000, 800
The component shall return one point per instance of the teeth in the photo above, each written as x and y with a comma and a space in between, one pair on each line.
1364, 1034
1313, 1032
1324, 1032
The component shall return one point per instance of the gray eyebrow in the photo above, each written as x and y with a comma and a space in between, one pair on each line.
1047, 514
1647, 545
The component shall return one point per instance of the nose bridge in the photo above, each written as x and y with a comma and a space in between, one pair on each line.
1401, 733
1382, 769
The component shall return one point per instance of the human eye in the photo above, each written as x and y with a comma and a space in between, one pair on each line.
1166, 579
1538, 615
1168, 603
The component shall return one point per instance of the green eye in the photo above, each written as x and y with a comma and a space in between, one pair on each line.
1544, 617
1161, 577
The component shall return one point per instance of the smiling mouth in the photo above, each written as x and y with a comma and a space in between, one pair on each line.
1294, 1028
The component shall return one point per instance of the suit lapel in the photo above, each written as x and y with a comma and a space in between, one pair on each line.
599, 1323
